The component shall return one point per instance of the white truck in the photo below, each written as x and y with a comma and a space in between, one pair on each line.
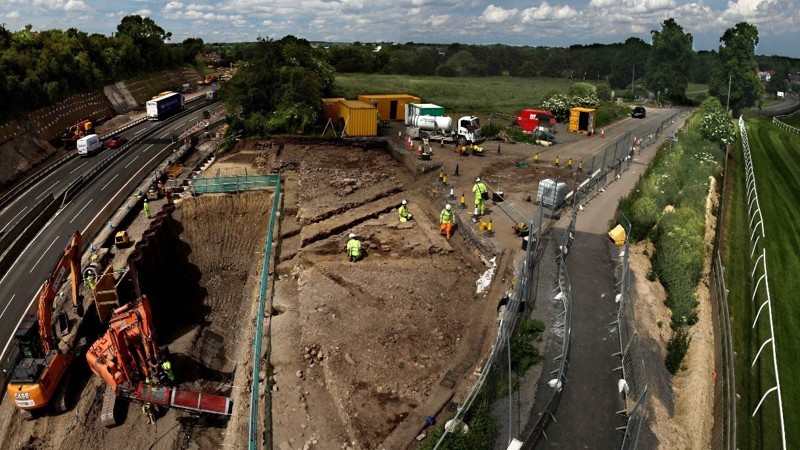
427, 121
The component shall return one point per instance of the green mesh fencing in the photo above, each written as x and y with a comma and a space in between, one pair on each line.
235, 184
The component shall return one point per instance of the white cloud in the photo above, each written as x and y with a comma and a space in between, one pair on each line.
75, 5
143, 12
172, 6
12, 15
497, 14
547, 12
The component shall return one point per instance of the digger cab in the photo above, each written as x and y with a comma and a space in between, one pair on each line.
122, 239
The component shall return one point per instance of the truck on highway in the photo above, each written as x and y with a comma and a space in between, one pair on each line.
164, 106
427, 121
89, 145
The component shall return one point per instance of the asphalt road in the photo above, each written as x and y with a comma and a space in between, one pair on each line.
22, 282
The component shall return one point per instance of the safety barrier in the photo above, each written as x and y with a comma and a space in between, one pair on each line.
238, 184
757, 222
44, 171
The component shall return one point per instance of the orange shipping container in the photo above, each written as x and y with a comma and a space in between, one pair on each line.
330, 108
390, 106
358, 118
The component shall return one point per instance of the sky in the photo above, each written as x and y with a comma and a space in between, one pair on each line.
513, 22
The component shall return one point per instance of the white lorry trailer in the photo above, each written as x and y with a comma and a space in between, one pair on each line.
427, 121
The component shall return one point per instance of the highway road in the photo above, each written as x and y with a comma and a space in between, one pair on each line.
22, 282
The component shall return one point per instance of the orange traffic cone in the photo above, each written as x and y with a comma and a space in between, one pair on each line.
603, 133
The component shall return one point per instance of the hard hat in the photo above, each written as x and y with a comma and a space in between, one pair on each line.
478, 179
352, 235
404, 202
145, 200
448, 207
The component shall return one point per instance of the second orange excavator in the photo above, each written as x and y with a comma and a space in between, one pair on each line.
43, 362
127, 359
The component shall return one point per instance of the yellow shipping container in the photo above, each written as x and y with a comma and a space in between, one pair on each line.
390, 106
330, 108
358, 118
581, 120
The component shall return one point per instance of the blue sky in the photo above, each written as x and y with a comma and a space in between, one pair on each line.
514, 22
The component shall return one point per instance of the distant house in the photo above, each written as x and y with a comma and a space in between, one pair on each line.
765, 75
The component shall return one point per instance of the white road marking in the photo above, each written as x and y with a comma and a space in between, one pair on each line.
178, 127
73, 170
164, 135
148, 147
12, 219
109, 182
141, 131
79, 212
46, 191
46, 250
9, 304
131, 161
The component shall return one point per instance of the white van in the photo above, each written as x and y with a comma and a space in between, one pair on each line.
89, 145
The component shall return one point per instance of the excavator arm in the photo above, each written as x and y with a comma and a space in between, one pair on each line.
128, 351
69, 264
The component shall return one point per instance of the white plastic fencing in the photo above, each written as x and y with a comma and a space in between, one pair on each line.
754, 211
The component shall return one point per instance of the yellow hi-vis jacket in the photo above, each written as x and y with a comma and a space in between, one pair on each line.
478, 189
446, 216
403, 212
354, 247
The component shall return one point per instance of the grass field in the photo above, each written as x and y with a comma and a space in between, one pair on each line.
458, 95
776, 165
695, 89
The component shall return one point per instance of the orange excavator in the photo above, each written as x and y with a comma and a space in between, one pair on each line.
43, 363
127, 359
74, 132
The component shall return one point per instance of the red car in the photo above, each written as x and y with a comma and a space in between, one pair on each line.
116, 141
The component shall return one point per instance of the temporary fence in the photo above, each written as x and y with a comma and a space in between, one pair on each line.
234, 184
759, 274
238, 184
495, 384
632, 367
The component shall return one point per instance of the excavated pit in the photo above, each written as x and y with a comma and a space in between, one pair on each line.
200, 271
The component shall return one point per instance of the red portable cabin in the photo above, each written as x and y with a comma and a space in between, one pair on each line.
530, 119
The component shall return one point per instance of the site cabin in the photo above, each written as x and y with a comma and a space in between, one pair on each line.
531, 119
164, 106
89, 145
390, 106
581, 120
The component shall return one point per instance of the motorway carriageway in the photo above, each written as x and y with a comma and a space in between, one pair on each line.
22, 282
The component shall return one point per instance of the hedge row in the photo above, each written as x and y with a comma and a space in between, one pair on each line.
667, 205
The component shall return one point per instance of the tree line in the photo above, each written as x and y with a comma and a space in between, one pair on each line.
40, 68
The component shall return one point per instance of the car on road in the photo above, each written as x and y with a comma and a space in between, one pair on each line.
116, 141
639, 112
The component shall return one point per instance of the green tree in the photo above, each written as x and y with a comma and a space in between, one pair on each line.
737, 65
670, 61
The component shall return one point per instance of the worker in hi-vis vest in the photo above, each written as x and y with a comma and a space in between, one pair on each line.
446, 220
403, 212
353, 248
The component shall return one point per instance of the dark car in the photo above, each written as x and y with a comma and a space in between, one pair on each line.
639, 112
116, 141
544, 134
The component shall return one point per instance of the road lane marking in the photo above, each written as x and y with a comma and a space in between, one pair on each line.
73, 170
109, 182
148, 147
79, 212
178, 127
46, 191
141, 131
9, 304
12, 219
164, 135
46, 250
131, 162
